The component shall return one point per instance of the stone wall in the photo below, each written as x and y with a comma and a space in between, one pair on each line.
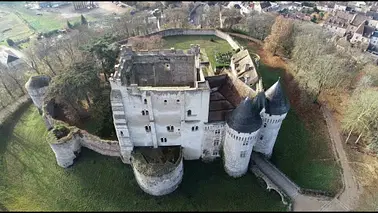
177, 32
67, 148
157, 179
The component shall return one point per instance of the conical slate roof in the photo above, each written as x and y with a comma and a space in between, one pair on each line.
276, 100
36, 82
246, 117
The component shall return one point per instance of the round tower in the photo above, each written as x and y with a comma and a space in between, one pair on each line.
242, 129
36, 87
276, 107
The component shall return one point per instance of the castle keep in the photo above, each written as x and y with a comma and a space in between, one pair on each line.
165, 111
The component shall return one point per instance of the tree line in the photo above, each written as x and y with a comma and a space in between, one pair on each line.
319, 66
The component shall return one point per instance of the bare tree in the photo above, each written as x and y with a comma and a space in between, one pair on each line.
148, 43
176, 18
279, 42
259, 25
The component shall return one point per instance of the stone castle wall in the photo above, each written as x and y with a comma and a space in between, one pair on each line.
178, 32
67, 148
155, 178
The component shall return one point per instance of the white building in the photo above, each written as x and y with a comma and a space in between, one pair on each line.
161, 98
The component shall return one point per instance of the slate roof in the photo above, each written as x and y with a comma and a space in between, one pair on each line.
36, 82
358, 20
341, 19
7, 57
246, 117
276, 100
372, 14
265, 4
375, 34
365, 30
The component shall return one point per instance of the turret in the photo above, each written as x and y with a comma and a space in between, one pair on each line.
276, 107
36, 87
242, 129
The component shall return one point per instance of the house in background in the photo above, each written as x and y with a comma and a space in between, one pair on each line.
11, 59
362, 34
263, 6
339, 23
373, 44
325, 6
340, 6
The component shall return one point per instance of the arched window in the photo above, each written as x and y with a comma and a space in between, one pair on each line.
196, 128
264, 125
178, 101
143, 112
165, 101
146, 112
189, 112
262, 137
145, 101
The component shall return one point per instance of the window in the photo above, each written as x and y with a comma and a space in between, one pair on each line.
216, 142
147, 128
264, 125
143, 112
242, 154
178, 101
189, 112
217, 131
262, 137
165, 101
121, 133
145, 101
215, 153
163, 140
373, 42
170, 128
146, 112
245, 143
194, 128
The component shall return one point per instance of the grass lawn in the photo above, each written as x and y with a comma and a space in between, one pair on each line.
12, 27
211, 48
31, 180
302, 154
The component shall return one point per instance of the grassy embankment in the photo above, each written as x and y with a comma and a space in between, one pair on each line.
31, 180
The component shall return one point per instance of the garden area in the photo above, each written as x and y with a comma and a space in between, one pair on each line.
213, 46
32, 181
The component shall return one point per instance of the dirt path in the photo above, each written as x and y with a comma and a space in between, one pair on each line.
351, 191
347, 198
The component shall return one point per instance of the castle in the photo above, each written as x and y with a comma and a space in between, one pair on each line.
165, 111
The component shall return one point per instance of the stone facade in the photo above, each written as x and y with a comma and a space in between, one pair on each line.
161, 99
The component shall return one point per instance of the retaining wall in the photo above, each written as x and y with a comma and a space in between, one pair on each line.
177, 32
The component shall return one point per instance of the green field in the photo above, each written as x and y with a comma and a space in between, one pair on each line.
303, 155
12, 27
31, 180
211, 48
23, 22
